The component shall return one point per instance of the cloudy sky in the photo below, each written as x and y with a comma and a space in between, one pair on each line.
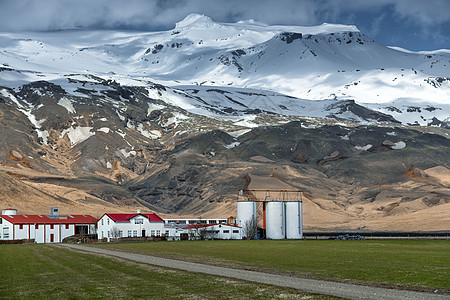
411, 24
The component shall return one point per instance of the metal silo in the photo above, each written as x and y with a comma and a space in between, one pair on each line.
294, 220
275, 220
246, 212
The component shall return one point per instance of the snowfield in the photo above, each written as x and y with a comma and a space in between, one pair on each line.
283, 69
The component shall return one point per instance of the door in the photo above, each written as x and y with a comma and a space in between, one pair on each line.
52, 237
143, 233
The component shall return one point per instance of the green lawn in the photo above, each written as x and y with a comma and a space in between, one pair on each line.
50, 272
408, 263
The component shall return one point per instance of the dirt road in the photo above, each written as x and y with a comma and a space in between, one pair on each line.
350, 291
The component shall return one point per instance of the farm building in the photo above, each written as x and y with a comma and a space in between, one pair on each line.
216, 228
129, 225
44, 228
186, 222
214, 231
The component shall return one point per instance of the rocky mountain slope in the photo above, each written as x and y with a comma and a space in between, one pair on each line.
177, 122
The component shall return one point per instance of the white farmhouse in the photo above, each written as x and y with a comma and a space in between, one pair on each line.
129, 225
43, 228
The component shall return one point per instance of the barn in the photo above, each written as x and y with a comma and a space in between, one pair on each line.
44, 228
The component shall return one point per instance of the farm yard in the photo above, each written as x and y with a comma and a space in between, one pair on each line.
413, 264
49, 271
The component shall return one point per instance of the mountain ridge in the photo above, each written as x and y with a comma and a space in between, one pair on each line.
178, 121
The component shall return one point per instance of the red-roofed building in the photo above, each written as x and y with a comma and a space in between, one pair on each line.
45, 228
129, 225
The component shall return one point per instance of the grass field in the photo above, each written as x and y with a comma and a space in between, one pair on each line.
419, 264
50, 272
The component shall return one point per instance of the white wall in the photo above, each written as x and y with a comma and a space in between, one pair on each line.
6, 227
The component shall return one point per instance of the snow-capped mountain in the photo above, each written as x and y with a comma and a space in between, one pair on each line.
323, 62
177, 121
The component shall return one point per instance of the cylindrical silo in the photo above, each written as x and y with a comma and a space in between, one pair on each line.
9, 212
246, 213
294, 222
275, 220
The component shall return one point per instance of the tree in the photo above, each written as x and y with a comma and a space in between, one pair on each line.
193, 234
250, 229
115, 233
207, 232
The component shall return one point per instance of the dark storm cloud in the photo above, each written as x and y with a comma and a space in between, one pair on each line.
44, 15
154, 14
428, 19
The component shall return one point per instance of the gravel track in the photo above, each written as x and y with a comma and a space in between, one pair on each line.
350, 291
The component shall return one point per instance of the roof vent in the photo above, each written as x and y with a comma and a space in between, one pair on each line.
9, 211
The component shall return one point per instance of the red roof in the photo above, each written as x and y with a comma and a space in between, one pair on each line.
127, 217
43, 219
207, 225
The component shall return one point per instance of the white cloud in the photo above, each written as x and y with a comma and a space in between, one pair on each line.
427, 12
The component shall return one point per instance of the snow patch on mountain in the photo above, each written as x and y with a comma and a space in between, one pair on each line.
78, 134
67, 104
363, 148
399, 145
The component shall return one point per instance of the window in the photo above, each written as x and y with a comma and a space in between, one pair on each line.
212, 221
1, 220
134, 233
102, 221
103, 234
202, 222
192, 222
107, 221
139, 221
21, 226
152, 233
158, 232
129, 233
67, 226
120, 233
182, 222
226, 231
6, 233
108, 233
167, 232
235, 231
36, 226
51, 226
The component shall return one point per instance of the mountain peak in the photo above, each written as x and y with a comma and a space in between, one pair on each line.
194, 18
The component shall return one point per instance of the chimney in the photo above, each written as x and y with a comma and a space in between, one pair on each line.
54, 211
138, 211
